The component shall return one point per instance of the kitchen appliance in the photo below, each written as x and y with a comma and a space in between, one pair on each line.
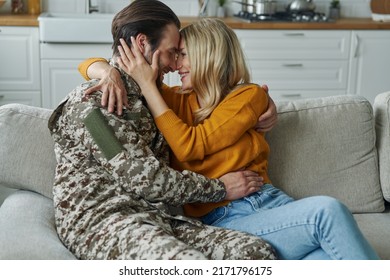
293, 13
301, 6
258, 6
283, 17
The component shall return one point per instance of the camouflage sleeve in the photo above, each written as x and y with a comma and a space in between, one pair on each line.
136, 169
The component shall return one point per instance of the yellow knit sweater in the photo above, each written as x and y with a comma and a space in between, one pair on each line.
224, 142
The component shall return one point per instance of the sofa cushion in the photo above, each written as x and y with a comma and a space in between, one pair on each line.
382, 117
26, 149
27, 229
376, 228
326, 146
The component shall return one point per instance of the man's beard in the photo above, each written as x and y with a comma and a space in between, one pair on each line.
160, 76
159, 80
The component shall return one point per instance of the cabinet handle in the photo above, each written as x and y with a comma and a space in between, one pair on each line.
294, 34
292, 95
293, 65
357, 43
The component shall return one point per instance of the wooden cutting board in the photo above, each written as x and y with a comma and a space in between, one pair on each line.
380, 6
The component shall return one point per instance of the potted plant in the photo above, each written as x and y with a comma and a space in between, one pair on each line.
335, 4
221, 8
334, 9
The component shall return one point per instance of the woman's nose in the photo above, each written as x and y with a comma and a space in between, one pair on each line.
179, 62
173, 66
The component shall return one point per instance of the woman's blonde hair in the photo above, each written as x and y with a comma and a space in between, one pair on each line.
217, 62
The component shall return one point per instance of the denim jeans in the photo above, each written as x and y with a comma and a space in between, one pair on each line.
318, 227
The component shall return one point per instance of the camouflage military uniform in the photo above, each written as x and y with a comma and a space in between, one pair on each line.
113, 188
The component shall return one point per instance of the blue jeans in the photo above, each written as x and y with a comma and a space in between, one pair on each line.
318, 227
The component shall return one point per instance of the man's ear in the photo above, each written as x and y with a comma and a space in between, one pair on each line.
141, 41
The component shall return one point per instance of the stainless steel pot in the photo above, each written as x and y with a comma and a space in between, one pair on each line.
301, 6
259, 7
247, 5
265, 7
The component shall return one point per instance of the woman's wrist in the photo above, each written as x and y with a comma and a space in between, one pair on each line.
98, 70
154, 99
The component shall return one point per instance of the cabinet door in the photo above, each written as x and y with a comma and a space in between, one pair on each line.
294, 44
59, 64
370, 63
301, 74
59, 77
19, 56
32, 98
298, 63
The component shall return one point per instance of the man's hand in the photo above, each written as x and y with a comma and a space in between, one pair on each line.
241, 183
114, 92
267, 120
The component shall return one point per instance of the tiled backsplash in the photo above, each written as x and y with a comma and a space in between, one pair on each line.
349, 8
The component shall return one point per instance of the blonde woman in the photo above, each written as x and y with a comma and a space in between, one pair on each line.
208, 123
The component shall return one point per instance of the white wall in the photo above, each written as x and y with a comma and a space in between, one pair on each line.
350, 8
181, 7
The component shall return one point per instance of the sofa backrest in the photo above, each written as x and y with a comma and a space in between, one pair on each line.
326, 146
382, 118
322, 146
26, 149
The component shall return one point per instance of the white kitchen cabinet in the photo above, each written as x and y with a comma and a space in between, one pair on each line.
31, 98
172, 79
20, 70
298, 64
59, 64
370, 63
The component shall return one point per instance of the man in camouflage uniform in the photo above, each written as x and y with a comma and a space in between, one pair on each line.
113, 188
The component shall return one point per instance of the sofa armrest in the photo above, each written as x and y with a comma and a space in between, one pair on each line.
382, 127
28, 231
26, 149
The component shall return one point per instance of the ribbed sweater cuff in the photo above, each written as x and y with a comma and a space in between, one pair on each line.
83, 66
167, 120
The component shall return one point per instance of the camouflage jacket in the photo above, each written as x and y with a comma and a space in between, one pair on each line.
112, 166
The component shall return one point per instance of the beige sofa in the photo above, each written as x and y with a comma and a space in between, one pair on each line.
337, 146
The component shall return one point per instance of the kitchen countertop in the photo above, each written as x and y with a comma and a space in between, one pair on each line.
18, 20
345, 23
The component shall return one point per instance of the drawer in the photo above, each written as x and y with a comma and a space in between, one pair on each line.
295, 44
291, 95
27, 98
74, 51
301, 74
19, 56
60, 77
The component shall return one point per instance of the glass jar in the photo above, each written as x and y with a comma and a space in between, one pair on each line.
34, 7
17, 6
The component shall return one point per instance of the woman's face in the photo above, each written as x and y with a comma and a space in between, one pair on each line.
183, 66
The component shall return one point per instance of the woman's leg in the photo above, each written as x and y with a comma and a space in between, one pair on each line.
296, 228
317, 254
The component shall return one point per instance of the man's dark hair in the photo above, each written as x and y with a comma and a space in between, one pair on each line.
149, 17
